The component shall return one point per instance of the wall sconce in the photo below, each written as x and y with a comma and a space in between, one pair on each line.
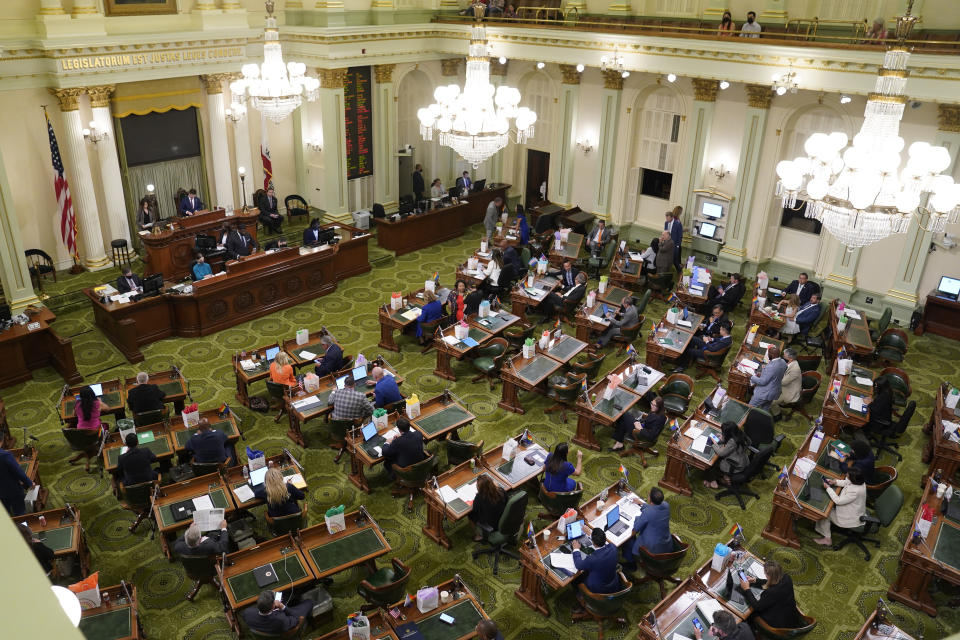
585, 145
94, 134
235, 113
313, 144
719, 170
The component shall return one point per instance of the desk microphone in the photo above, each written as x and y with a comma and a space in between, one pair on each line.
123, 583
224, 562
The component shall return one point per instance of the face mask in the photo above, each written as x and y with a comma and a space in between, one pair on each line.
750, 20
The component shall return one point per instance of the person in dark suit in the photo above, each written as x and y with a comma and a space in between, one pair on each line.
488, 506
511, 256
647, 428
406, 449
13, 484
651, 528
699, 346
600, 566
419, 186
311, 235
725, 627
675, 228
881, 407
487, 629
776, 605
135, 464
281, 496
240, 243
665, 254
190, 203
471, 302
599, 237
803, 288
567, 275
145, 396
377, 211
269, 216
727, 296
128, 281
711, 326
553, 303
41, 552
270, 616
145, 215
464, 183
432, 310
808, 314
861, 457
208, 445
332, 358
194, 543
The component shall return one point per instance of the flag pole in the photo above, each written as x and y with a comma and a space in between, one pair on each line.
76, 268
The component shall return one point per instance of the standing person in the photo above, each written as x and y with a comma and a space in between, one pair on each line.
146, 396
436, 189
240, 243
651, 528
675, 228
790, 386
664, 260
488, 506
145, 217
281, 370
849, 505
557, 471
190, 203
13, 484
727, 26
494, 209
269, 216
419, 186
281, 496
523, 225
733, 452
767, 385
751, 28
492, 271
464, 183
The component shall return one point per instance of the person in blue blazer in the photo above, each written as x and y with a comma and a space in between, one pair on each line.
808, 314
675, 227
385, 389
13, 484
191, 203
431, 311
651, 530
332, 359
600, 566
766, 386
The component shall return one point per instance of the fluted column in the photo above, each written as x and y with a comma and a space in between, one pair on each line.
386, 188
112, 182
80, 180
733, 253
693, 155
219, 152
383, 11
301, 125
560, 189
607, 142
330, 13
241, 143
14, 273
334, 144
620, 8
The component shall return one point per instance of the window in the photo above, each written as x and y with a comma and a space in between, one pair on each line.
658, 143
794, 219
538, 97
656, 184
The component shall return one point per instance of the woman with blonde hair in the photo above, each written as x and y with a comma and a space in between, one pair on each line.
281, 370
788, 308
281, 496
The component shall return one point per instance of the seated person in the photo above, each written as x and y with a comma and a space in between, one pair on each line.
861, 457
788, 308
557, 471
280, 495
406, 449
487, 629
223, 234
803, 288
733, 452
471, 303
436, 189
377, 211
511, 256
651, 529
711, 325
271, 617
648, 258
350, 404
41, 552
13, 484
600, 566
599, 237
523, 225
194, 543
209, 445
200, 268
432, 310
647, 428
725, 627
628, 318
385, 389
457, 300
269, 216
488, 506
311, 235
848, 506
881, 407
134, 466
145, 396
240, 243
87, 409
281, 370
567, 275
190, 203
808, 314
554, 302
509, 12
727, 295
332, 358
699, 346
776, 605
129, 281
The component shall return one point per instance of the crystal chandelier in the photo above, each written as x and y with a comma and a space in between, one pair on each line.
475, 122
859, 192
616, 63
273, 88
784, 82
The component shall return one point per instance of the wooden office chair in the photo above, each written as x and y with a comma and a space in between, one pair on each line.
564, 390
882, 478
588, 364
385, 586
628, 335
517, 334
489, 360
338, 434
137, 498
660, 567
282, 525
459, 451
644, 300
205, 468
711, 363
887, 507
899, 383
600, 607
410, 480
766, 631
503, 539
556, 503
40, 264
809, 385
86, 442
296, 206
677, 390
809, 363
278, 393
202, 570
151, 417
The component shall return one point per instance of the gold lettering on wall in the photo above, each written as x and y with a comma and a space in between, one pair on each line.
128, 60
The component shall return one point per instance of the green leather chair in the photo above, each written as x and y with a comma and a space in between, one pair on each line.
892, 346
598, 262
564, 390
399, 406
282, 525
138, 499
295, 632
660, 567
411, 480
384, 586
278, 393
459, 451
202, 570
204, 468
660, 284
151, 417
640, 446
601, 606
429, 328
711, 363
882, 323
676, 392
587, 363
338, 434
643, 302
809, 385
882, 478
886, 508
516, 334
809, 363
899, 384
557, 502
766, 631
489, 359
503, 539
86, 442
628, 335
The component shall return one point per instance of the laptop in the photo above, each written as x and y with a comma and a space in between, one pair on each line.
359, 373
341, 380
265, 575
182, 510
369, 430
615, 525
371, 438
258, 476
949, 288
272, 353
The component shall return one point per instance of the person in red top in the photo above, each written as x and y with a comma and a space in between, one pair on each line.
281, 370
458, 299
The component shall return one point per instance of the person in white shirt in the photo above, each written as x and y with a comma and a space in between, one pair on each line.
492, 270
848, 506
649, 257
751, 28
436, 189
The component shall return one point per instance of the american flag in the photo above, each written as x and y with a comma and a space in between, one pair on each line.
265, 155
68, 221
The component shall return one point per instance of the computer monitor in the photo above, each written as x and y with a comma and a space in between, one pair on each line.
360, 372
369, 430
341, 380
152, 284
97, 389
707, 230
454, 192
271, 353
575, 530
257, 476
613, 516
949, 287
479, 185
711, 210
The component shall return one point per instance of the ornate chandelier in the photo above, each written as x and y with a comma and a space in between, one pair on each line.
859, 192
273, 88
474, 122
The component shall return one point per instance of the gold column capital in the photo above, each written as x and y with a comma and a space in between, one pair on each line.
100, 95
570, 74
332, 78
497, 69
213, 82
383, 72
948, 117
705, 90
612, 79
68, 98
450, 67
759, 96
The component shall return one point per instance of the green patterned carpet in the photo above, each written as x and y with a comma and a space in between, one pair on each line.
838, 588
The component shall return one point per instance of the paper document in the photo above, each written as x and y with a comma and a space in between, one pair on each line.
247, 365
636, 257
307, 355
750, 364
867, 382
448, 493
923, 526
856, 403
803, 467
693, 432
599, 320
202, 502
850, 313
208, 519
412, 314
708, 608
467, 492
451, 340
765, 345
757, 569
684, 323
305, 402
700, 443
703, 276
563, 561
244, 493
297, 481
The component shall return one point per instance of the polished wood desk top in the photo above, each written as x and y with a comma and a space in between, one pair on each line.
607, 411
172, 384
211, 484
793, 488
674, 613
856, 337
613, 296
628, 366
379, 629
113, 399
62, 532
441, 415
716, 581
234, 479
878, 628
466, 610
262, 369
161, 445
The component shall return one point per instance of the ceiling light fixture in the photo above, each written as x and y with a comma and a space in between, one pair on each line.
784, 82
844, 99
671, 77
724, 85
540, 65
580, 68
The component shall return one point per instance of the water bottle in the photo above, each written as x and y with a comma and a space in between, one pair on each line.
43, 521
105, 599
246, 474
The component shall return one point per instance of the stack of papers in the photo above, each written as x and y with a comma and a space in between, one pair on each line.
412, 314
867, 382
244, 493
856, 403
636, 257
803, 467
563, 561
448, 493
700, 443
467, 492
850, 313
297, 481
693, 431
684, 323
709, 607
703, 276
305, 402
307, 355
749, 364
248, 365
202, 502
599, 319
451, 340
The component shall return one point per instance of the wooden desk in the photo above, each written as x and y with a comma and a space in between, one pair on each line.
946, 453
29, 459
837, 413
569, 249
239, 586
23, 350
180, 434
674, 614
392, 319
585, 323
670, 341
625, 273
211, 484
790, 498
161, 445
312, 345
613, 296
261, 371
234, 479
680, 452
459, 350
766, 319
715, 582
173, 386
938, 556
855, 338
878, 627
62, 533
738, 380
940, 317
113, 399
328, 553
170, 251
522, 296
437, 225
527, 374
379, 629
116, 618
464, 607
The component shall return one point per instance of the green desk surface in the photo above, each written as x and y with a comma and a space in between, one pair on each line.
517, 470
630, 267
465, 618
614, 295
112, 399
57, 539
24, 465
569, 250
733, 411
108, 625
244, 585
496, 323
947, 549
347, 549
804, 496
707, 453
550, 208
319, 407
723, 593
565, 349
457, 505
561, 574
183, 435
159, 446
685, 626
825, 460
858, 336
477, 334
218, 496
540, 367
434, 423
262, 367
622, 399
172, 388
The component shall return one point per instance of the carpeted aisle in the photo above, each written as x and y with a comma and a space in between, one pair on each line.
838, 588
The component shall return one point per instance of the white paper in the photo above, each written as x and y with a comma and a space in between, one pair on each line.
765, 345
305, 401
757, 569
684, 323
850, 313
451, 340
708, 608
202, 502
244, 493
247, 365
803, 467
923, 526
467, 492
207, 519
703, 276
307, 355
297, 481
599, 320
390, 435
636, 257
750, 364
864, 381
412, 314
950, 427
815, 442
700, 443
563, 561
448, 493
693, 432
856, 403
